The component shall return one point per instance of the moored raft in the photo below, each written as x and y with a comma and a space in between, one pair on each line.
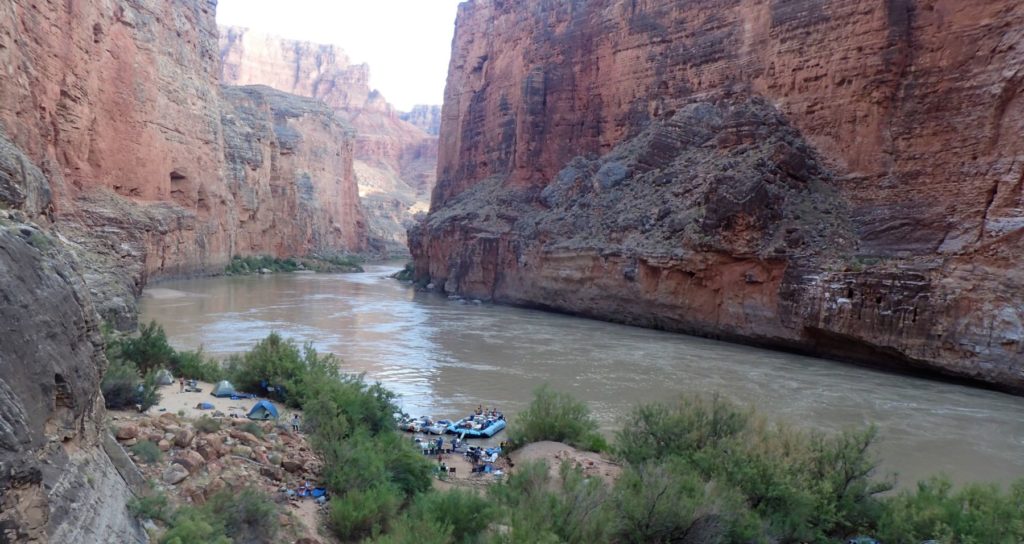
478, 426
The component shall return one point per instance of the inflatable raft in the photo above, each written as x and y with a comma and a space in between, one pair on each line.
477, 426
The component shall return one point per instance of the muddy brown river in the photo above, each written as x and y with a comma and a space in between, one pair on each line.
445, 357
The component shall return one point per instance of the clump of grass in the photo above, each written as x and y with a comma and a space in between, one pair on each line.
147, 452
207, 424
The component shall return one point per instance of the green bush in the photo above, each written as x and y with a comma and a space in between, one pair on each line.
362, 461
147, 452
192, 365
247, 516
120, 384
466, 514
153, 506
207, 424
363, 513
280, 363
406, 274
227, 517
149, 394
253, 428
686, 428
407, 530
558, 417
254, 264
149, 350
536, 509
974, 514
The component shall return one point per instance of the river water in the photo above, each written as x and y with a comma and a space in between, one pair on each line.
445, 357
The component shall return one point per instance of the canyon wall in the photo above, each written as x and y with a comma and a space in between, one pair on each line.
396, 161
839, 178
150, 170
427, 118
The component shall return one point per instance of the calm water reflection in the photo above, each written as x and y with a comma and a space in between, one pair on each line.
445, 357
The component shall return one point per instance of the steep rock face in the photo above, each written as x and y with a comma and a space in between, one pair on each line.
838, 178
395, 160
428, 118
56, 482
119, 105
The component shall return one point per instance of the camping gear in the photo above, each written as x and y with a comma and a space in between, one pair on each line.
263, 410
440, 427
204, 406
223, 389
164, 377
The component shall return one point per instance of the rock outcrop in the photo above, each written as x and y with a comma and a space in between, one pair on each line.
836, 178
56, 482
396, 160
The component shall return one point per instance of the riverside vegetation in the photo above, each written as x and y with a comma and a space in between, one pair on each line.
241, 266
697, 470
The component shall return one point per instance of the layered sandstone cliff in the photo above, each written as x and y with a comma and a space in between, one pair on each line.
150, 171
396, 160
427, 118
838, 178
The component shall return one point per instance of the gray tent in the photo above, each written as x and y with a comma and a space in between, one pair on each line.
164, 377
223, 389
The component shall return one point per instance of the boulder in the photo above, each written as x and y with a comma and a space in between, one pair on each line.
242, 451
248, 439
273, 473
127, 431
191, 460
174, 474
293, 465
164, 445
184, 437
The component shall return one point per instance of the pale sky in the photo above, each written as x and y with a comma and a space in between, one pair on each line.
407, 43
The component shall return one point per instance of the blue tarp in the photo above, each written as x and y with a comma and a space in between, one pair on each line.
263, 409
205, 406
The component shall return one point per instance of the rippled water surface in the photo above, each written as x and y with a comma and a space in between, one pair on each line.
446, 357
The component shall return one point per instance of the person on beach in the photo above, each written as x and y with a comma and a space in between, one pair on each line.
295, 423
181, 385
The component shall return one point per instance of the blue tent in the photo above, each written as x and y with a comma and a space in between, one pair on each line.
264, 409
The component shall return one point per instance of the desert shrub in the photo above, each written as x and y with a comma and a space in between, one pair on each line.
363, 461
253, 264
153, 506
573, 509
465, 514
558, 417
247, 516
803, 486
336, 406
407, 530
147, 452
405, 274
686, 428
363, 513
973, 514
149, 351
190, 525
281, 363
120, 384
193, 365
149, 392
207, 424
253, 428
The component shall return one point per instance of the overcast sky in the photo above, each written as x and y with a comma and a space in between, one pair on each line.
407, 43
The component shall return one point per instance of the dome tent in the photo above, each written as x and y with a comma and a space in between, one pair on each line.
223, 389
164, 377
263, 410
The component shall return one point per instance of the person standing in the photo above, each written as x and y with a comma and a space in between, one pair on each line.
181, 385
295, 423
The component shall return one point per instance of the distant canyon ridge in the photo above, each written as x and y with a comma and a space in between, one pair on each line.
395, 158
842, 178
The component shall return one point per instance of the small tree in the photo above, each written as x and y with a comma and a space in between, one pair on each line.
558, 417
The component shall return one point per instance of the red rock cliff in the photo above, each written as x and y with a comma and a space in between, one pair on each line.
111, 119
396, 161
840, 178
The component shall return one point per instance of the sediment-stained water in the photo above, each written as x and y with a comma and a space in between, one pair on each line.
445, 357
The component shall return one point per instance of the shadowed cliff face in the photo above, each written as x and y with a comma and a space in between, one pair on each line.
396, 161
839, 178
56, 483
